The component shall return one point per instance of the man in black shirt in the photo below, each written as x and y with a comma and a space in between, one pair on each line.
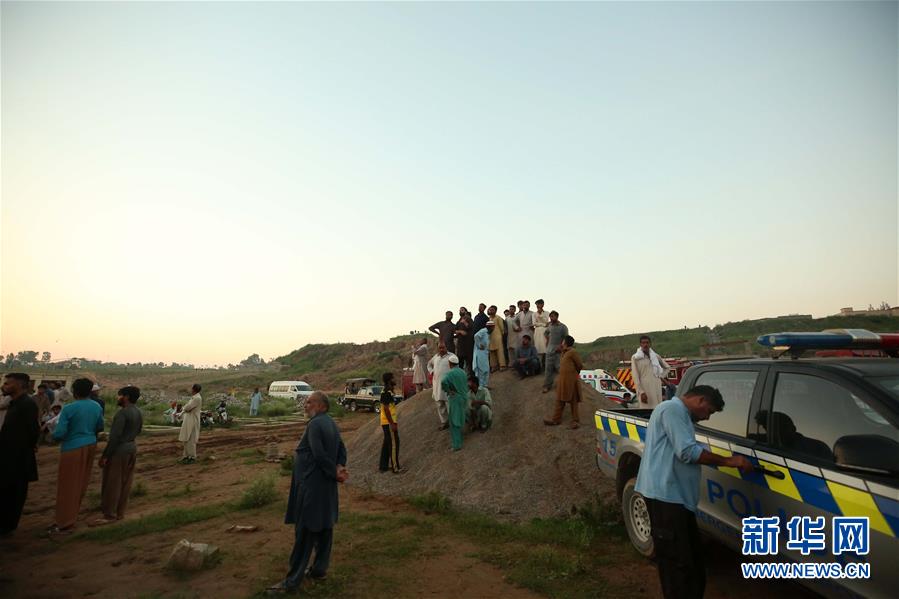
445, 330
480, 319
18, 440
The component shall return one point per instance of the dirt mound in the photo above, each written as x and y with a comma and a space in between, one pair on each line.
520, 467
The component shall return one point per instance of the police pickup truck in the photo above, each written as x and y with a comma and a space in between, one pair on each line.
824, 434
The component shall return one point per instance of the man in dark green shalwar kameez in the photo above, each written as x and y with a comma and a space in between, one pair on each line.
455, 384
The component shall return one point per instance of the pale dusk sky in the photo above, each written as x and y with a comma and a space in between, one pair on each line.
196, 182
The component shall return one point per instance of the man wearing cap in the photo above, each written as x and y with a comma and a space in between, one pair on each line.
95, 395
481, 362
438, 366
455, 384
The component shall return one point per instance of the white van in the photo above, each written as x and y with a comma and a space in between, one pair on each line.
297, 390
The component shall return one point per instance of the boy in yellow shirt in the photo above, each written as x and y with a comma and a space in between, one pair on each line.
390, 449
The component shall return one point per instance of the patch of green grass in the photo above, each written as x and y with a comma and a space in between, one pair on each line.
139, 489
432, 503
159, 522
260, 493
287, 465
179, 492
92, 499
557, 557
247, 453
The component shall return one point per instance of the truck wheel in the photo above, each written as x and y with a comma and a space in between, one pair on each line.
636, 519
351, 406
376, 408
627, 399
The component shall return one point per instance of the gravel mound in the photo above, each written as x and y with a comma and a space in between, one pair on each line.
520, 468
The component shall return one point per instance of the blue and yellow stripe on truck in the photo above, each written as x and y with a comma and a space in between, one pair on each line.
826, 490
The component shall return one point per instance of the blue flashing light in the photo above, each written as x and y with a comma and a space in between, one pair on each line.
807, 340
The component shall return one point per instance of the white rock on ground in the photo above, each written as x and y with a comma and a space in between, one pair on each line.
191, 556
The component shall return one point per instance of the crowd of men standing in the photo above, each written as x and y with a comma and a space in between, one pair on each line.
530, 342
78, 424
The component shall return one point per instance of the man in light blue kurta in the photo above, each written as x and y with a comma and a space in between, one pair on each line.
669, 481
255, 400
482, 354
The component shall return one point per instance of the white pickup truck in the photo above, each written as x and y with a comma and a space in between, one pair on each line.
824, 434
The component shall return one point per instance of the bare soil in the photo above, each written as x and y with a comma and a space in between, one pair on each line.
520, 468
517, 469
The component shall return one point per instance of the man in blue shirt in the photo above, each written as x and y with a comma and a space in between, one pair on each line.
669, 481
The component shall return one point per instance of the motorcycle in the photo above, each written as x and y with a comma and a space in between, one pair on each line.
221, 414
206, 419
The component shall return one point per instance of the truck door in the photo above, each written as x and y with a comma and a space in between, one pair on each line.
724, 492
811, 417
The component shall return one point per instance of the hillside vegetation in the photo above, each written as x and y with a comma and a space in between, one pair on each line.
688, 342
327, 366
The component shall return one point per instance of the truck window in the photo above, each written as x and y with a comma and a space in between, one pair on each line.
737, 387
811, 415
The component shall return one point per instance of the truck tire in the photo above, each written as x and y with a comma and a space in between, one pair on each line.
376, 407
636, 519
351, 406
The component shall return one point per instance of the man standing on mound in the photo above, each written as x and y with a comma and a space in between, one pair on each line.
312, 506
455, 385
439, 365
568, 390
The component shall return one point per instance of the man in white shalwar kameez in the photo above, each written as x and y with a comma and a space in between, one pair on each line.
648, 369
439, 365
419, 362
481, 362
541, 321
190, 426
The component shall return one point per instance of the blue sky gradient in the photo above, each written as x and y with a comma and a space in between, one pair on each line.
217, 179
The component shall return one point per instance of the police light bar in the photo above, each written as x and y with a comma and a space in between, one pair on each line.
832, 339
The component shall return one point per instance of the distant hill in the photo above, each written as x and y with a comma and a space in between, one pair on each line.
327, 366
606, 351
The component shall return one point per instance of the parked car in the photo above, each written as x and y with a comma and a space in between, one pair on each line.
823, 434
362, 394
296, 390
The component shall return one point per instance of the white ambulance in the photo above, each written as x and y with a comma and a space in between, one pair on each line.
609, 386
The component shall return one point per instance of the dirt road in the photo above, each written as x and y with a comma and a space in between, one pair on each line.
382, 544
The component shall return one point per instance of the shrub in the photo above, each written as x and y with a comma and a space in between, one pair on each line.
287, 465
432, 503
261, 492
139, 489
